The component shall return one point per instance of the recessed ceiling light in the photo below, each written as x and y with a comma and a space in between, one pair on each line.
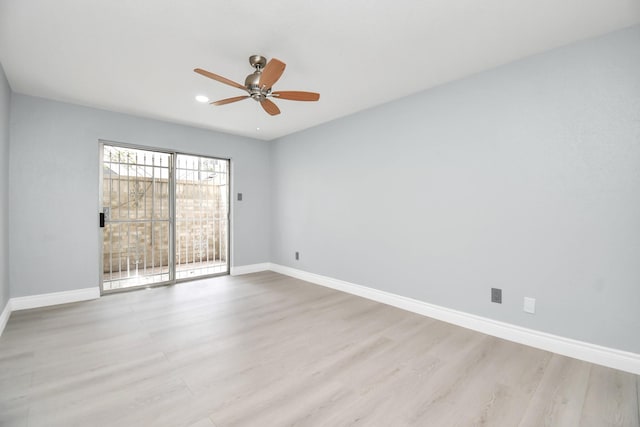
257, 128
202, 98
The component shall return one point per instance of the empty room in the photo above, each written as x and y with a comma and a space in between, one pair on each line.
303, 213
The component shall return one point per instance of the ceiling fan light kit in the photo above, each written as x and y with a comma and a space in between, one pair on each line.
258, 85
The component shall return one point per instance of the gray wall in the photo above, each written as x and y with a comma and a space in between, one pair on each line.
5, 102
526, 177
54, 188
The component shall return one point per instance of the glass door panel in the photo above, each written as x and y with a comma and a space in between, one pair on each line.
136, 194
202, 216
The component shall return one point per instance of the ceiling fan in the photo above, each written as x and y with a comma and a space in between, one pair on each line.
259, 84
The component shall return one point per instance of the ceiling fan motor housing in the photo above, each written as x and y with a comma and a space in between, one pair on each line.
252, 83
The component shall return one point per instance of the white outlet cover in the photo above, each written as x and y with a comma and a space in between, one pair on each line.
529, 305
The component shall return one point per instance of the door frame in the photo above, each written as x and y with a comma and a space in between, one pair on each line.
172, 216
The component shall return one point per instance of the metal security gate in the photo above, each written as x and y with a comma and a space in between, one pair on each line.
164, 217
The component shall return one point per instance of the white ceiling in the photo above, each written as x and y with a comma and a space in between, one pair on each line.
137, 56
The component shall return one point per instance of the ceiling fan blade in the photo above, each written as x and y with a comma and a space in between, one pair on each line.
295, 95
271, 73
230, 100
270, 107
219, 78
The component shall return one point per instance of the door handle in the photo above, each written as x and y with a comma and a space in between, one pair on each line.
101, 219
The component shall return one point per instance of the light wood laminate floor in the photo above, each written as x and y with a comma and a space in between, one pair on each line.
268, 350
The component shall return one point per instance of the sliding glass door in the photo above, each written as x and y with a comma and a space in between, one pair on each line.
165, 217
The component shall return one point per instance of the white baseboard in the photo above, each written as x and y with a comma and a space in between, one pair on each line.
54, 298
251, 268
4, 317
617, 359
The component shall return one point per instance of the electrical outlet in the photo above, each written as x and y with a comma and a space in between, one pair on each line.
496, 295
297, 256
530, 305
